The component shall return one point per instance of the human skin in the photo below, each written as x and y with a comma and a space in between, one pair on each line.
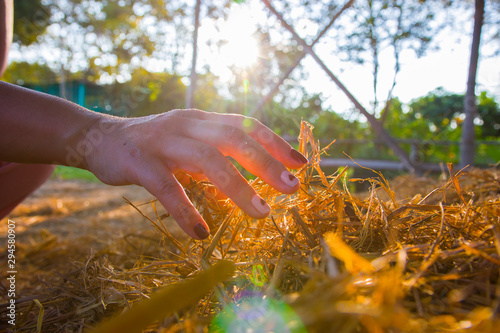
147, 151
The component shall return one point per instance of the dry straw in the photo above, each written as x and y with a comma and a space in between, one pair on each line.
423, 258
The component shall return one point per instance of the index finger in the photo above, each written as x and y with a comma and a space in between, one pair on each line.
161, 183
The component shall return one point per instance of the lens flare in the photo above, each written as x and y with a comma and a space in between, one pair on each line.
253, 312
258, 275
246, 84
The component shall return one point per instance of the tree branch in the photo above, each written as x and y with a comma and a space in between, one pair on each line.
258, 109
377, 127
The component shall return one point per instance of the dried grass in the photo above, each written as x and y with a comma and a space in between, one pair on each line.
423, 258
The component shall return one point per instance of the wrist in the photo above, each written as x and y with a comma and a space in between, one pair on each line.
89, 140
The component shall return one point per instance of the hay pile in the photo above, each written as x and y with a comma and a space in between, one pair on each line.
324, 261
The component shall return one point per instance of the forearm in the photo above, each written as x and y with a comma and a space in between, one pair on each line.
39, 128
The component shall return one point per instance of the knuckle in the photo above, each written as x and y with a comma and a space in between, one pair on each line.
238, 186
168, 190
265, 136
165, 119
174, 113
220, 178
269, 162
183, 211
167, 187
208, 154
233, 134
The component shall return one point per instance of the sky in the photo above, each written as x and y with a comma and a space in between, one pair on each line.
446, 67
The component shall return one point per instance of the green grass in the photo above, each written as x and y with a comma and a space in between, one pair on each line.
66, 172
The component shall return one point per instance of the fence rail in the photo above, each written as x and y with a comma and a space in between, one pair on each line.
375, 164
415, 147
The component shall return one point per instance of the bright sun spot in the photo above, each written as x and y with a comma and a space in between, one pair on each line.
241, 48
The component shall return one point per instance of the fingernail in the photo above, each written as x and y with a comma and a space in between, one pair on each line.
260, 204
201, 231
298, 156
289, 179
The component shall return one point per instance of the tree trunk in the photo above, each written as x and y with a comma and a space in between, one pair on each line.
62, 80
193, 77
467, 146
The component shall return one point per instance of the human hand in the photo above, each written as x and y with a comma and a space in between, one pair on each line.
148, 151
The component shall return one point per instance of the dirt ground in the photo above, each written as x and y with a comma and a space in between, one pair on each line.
72, 209
61, 227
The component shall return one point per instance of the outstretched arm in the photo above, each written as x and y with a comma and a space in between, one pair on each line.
40, 128
148, 151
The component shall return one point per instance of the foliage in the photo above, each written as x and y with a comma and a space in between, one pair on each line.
492, 18
207, 97
381, 26
489, 112
433, 119
437, 118
66, 172
23, 72
490, 34
145, 93
442, 111
105, 40
31, 19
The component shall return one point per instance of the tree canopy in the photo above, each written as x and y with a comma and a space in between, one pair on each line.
142, 49
31, 19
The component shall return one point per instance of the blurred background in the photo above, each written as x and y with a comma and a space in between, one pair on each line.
387, 79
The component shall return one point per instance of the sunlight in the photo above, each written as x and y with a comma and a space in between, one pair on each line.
241, 48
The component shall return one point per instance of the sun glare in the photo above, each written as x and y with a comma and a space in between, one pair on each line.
241, 48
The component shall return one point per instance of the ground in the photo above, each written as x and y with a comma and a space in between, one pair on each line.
83, 253
64, 224
70, 209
